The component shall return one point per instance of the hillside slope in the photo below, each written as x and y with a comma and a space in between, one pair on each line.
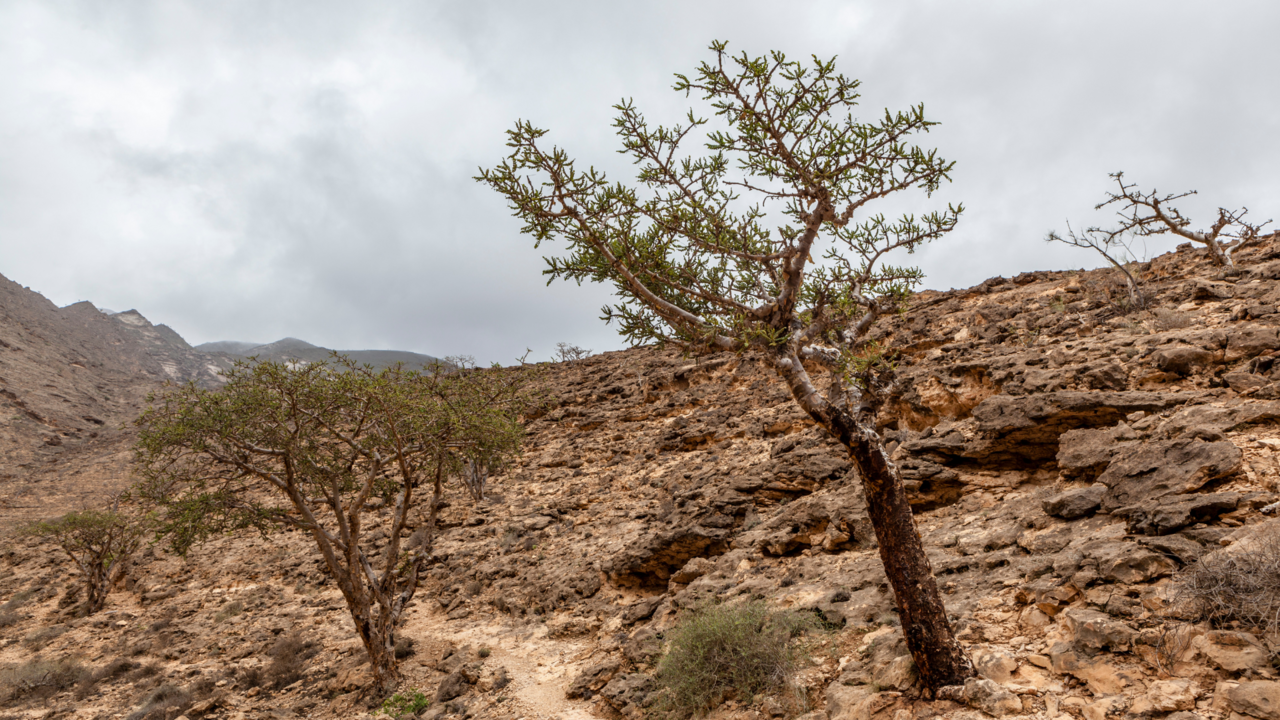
1067, 457
70, 379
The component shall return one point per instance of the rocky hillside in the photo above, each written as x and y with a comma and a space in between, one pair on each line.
70, 379
1068, 457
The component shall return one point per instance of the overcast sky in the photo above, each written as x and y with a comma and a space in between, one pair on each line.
253, 170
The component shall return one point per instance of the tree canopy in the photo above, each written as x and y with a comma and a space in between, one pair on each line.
713, 249
336, 450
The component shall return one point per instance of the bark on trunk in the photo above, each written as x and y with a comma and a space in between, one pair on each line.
379, 643
98, 587
938, 656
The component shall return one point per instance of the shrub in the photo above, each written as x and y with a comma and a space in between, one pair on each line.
1240, 583
157, 704
38, 678
112, 670
406, 703
230, 610
9, 614
289, 660
722, 650
1168, 319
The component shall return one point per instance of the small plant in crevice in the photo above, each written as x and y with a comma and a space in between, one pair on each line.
405, 704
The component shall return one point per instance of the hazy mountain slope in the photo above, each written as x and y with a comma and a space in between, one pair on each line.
295, 350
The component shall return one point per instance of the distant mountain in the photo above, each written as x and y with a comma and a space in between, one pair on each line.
294, 350
227, 347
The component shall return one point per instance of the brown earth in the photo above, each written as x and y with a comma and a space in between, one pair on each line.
1067, 458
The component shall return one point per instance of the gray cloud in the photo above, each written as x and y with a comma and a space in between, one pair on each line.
252, 170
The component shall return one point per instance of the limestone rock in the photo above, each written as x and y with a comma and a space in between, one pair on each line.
1084, 453
989, 697
1152, 470
1096, 630
692, 570
1232, 651
995, 664
590, 681
1256, 698
1075, 503
1173, 512
1182, 360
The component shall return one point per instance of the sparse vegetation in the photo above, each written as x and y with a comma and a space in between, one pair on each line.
565, 352
338, 451
100, 542
162, 702
9, 614
1146, 214
289, 658
37, 678
1114, 247
1237, 585
727, 650
1168, 319
405, 704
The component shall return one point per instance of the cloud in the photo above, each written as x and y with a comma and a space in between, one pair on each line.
249, 170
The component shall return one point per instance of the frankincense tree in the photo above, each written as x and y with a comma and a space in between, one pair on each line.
356, 459
693, 261
99, 542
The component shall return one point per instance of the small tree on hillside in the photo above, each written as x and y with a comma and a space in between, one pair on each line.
99, 542
696, 265
1108, 244
568, 352
345, 454
1146, 214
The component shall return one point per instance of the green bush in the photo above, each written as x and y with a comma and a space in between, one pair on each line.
406, 703
728, 650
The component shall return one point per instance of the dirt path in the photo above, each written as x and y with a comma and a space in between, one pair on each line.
540, 668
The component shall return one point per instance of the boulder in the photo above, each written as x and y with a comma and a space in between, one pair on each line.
1256, 698
1154, 469
1162, 516
1165, 696
591, 680
989, 697
1247, 342
1232, 651
847, 702
692, 570
1096, 630
1076, 502
1182, 360
1244, 381
1019, 429
1127, 562
995, 664
1084, 453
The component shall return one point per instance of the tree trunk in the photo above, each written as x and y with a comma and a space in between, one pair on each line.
379, 643
939, 658
98, 587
